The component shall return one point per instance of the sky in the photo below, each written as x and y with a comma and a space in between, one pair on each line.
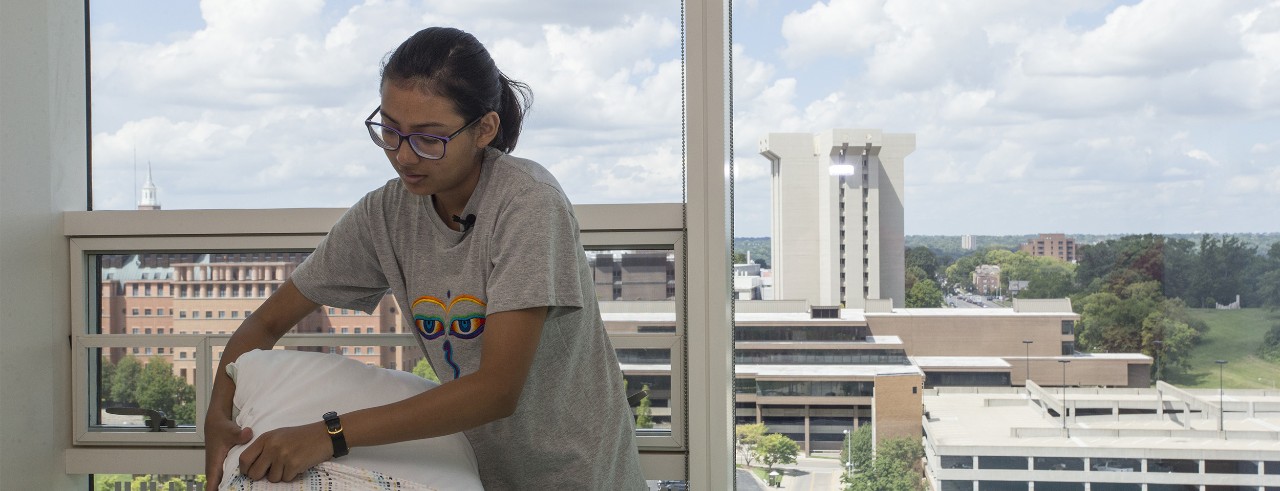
1075, 116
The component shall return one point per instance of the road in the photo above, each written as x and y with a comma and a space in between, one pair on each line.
807, 474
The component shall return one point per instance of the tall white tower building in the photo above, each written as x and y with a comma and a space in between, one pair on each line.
149, 199
838, 234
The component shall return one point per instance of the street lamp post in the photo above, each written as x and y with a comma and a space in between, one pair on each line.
1064, 393
1159, 369
848, 456
1027, 342
1220, 363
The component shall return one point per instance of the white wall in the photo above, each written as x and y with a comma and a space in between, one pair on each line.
43, 126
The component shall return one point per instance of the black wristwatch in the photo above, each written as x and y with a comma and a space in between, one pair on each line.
334, 426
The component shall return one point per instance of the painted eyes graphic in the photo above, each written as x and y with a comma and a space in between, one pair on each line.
463, 328
467, 323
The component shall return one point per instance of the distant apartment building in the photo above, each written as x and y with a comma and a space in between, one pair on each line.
213, 294
1052, 245
966, 242
838, 200
986, 278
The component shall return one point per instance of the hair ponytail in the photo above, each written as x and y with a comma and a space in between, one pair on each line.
453, 64
516, 100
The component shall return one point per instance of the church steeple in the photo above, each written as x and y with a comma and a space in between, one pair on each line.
149, 200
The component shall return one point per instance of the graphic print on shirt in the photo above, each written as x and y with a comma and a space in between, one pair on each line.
459, 317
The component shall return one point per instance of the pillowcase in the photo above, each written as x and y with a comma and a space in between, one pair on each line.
281, 388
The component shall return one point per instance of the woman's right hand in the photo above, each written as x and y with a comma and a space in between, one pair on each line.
220, 434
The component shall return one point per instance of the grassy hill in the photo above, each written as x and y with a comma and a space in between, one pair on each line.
1234, 335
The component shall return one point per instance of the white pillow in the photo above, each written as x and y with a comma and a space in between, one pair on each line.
281, 388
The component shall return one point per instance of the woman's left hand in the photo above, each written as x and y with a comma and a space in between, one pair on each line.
284, 454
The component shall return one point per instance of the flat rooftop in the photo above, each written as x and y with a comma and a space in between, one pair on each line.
782, 371
1007, 419
927, 362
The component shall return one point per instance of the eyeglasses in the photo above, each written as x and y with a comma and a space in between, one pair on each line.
425, 145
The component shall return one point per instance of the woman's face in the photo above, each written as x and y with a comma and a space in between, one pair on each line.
409, 109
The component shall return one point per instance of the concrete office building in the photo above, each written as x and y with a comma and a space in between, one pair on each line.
1149, 439
838, 200
812, 372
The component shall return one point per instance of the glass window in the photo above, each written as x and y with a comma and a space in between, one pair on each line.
1110, 486
966, 379
1059, 486
957, 462
1173, 465
998, 462
1115, 465
1230, 467
1058, 464
1003, 486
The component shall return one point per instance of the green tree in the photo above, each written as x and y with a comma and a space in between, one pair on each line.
1169, 333
107, 482
1270, 348
924, 294
644, 412
896, 467
124, 380
159, 389
1046, 277
923, 258
776, 448
1112, 322
423, 369
748, 437
914, 274
1134, 319
859, 442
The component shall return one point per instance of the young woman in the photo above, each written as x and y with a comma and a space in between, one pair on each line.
481, 250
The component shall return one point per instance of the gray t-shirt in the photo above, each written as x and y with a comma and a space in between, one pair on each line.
573, 428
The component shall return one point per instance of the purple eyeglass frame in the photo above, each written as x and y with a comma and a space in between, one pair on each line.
368, 123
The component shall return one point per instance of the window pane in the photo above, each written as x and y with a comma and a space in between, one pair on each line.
139, 391
636, 289
138, 482
226, 107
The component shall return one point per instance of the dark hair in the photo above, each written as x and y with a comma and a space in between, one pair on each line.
453, 64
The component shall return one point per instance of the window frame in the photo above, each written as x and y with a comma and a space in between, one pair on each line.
707, 229
646, 226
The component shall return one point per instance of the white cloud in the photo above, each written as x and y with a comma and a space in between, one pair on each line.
838, 27
1203, 156
1153, 37
1091, 116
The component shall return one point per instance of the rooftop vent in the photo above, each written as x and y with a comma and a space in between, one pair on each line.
824, 312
